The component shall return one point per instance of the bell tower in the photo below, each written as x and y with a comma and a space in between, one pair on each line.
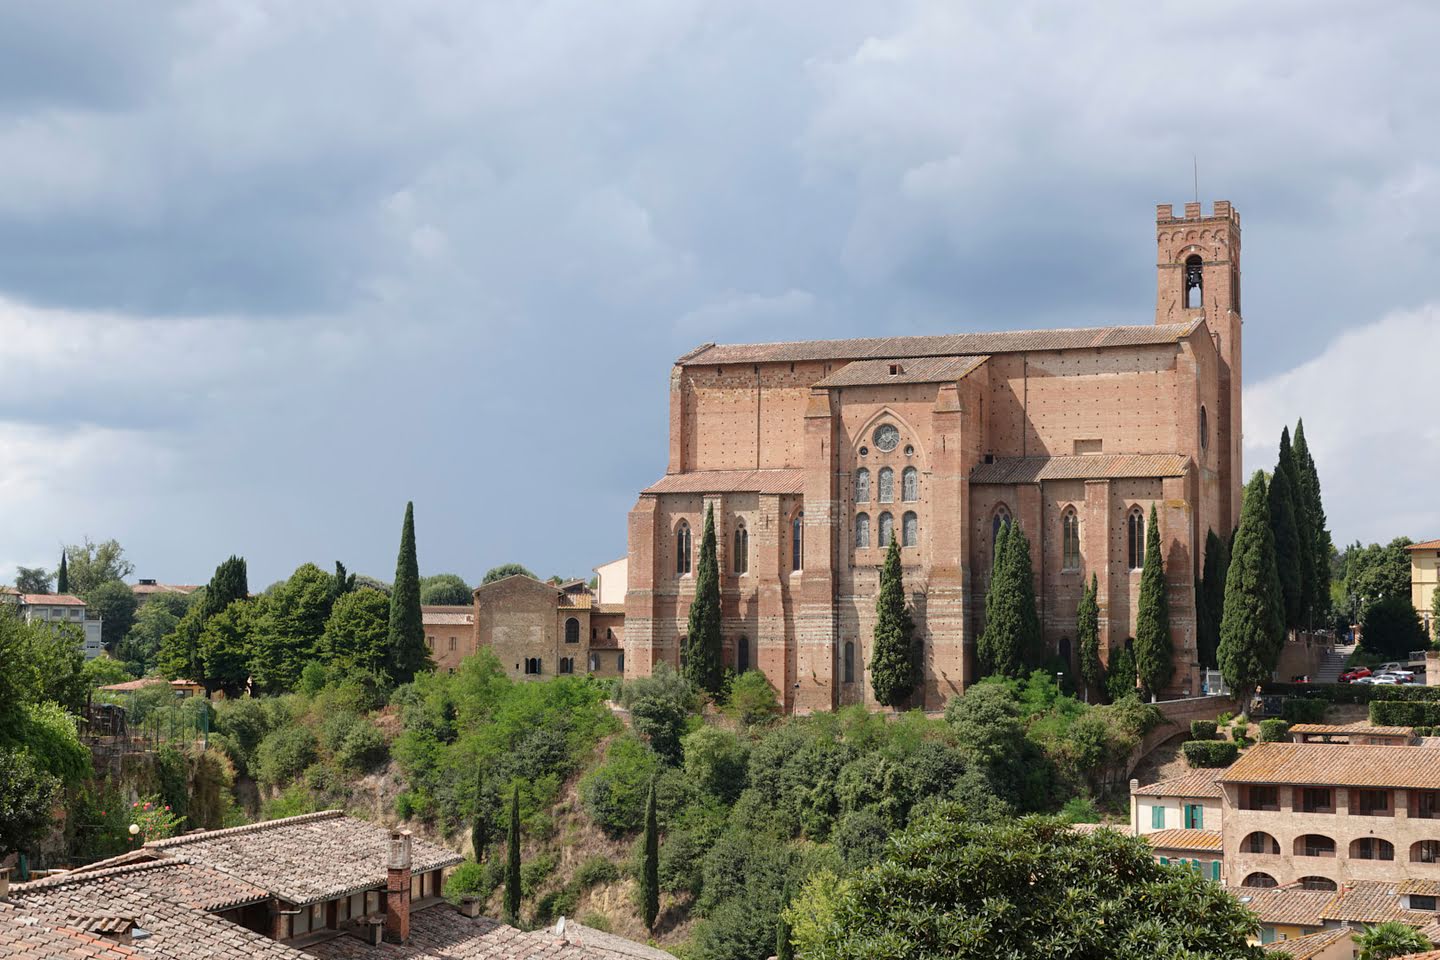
1198, 276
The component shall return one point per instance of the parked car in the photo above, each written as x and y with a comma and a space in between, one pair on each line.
1353, 674
1363, 680
1394, 666
1384, 679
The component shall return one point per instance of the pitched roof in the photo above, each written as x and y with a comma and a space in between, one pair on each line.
1341, 765
441, 933
1288, 905
1359, 727
304, 859
187, 884
1306, 947
1089, 466
25, 935
50, 600
446, 615
1426, 888
954, 344
1372, 901
1196, 783
870, 373
730, 481
577, 601
1177, 839
1427, 545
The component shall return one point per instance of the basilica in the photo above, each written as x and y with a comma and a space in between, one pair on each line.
816, 455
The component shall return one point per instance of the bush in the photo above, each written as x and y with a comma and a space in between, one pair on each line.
1274, 730
1399, 713
752, 699
292, 801
284, 755
534, 872
1203, 730
715, 762
469, 879
1297, 710
1210, 753
614, 792
660, 707
1080, 810
363, 749
312, 678
594, 871
556, 903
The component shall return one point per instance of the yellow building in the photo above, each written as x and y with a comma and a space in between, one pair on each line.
1424, 577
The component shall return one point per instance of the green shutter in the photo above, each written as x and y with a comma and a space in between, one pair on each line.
1164, 861
1215, 870
1157, 818
1194, 816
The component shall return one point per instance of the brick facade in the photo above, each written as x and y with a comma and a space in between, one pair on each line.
1030, 425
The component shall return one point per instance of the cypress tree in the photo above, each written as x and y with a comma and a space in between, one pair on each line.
1285, 537
703, 665
1307, 482
480, 823
1253, 628
1305, 538
1154, 655
407, 654
229, 583
62, 579
784, 949
1120, 674
512, 863
650, 871
1212, 597
1022, 574
1087, 631
1010, 644
892, 662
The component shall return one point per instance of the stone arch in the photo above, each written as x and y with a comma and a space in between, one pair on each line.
908, 433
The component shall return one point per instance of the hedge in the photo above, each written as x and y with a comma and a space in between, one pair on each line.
1203, 729
1274, 730
1401, 713
1297, 710
1354, 692
1210, 753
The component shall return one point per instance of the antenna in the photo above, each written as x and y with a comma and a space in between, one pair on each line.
1195, 163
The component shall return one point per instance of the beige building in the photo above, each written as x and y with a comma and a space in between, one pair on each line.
540, 630
1424, 577
449, 634
610, 582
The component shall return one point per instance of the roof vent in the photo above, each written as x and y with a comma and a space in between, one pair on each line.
989, 458
146, 583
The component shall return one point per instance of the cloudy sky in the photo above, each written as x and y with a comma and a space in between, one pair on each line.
269, 269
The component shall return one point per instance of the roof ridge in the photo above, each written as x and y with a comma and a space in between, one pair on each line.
81, 875
258, 827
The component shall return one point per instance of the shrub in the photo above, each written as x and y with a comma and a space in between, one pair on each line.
596, 870
533, 873
292, 801
1298, 710
469, 879
312, 678
284, 755
1210, 753
752, 699
1203, 729
614, 792
1274, 730
363, 749
715, 762
596, 921
1400, 713
556, 903
1080, 810
660, 707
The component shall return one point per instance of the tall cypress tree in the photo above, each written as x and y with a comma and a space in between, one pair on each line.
1307, 482
1022, 574
480, 820
62, 579
997, 645
407, 654
703, 663
512, 863
650, 869
180, 653
1253, 629
230, 583
784, 949
1285, 536
1212, 596
1087, 632
1154, 655
892, 661
1305, 538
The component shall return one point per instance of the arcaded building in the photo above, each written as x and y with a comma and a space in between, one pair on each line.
815, 455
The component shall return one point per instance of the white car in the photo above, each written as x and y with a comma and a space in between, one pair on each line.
1384, 679
1369, 679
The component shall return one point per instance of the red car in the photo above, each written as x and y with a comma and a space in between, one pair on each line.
1355, 674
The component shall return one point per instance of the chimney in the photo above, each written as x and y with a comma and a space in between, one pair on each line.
4, 881
470, 906
397, 888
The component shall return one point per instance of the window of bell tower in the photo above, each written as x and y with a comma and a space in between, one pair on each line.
1194, 282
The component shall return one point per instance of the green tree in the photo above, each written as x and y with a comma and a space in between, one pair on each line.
1010, 645
1373, 573
892, 659
1391, 939
650, 867
343, 583
1211, 597
1305, 537
507, 570
1252, 631
1087, 631
179, 653
1286, 537
62, 576
91, 564
1307, 485
114, 602
224, 648
952, 886
512, 862
480, 813
1392, 628
445, 589
288, 624
229, 583
660, 706
784, 945
357, 634
1120, 675
407, 654
154, 620
32, 580
703, 665
1154, 655
30, 794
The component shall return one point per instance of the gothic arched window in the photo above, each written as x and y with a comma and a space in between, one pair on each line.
1194, 282
1135, 539
1070, 540
742, 654
862, 485
572, 630
797, 541
887, 529
682, 548
887, 485
862, 530
910, 485
849, 661
909, 529
742, 548
1204, 429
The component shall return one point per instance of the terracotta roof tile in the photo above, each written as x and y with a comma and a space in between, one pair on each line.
1351, 728
1304, 948
25, 935
1289, 905
1370, 901
1094, 466
730, 481
447, 615
955, 344
1341, 765
1196, 783
576, 601
50, 600
304, 859
1427, 545
440, 932
187, 884
869, 373
1177, 839
1426, 888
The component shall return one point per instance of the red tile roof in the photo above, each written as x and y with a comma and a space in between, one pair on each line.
440, 932
955, 344
50, 600
869, 373
730, 481
1177, 839
1095, 466
1339, 765
1196, 783
447, 615
1304, 948
24, 935
1427, 545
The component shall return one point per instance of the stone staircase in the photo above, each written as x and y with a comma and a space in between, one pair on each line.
1332, 664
